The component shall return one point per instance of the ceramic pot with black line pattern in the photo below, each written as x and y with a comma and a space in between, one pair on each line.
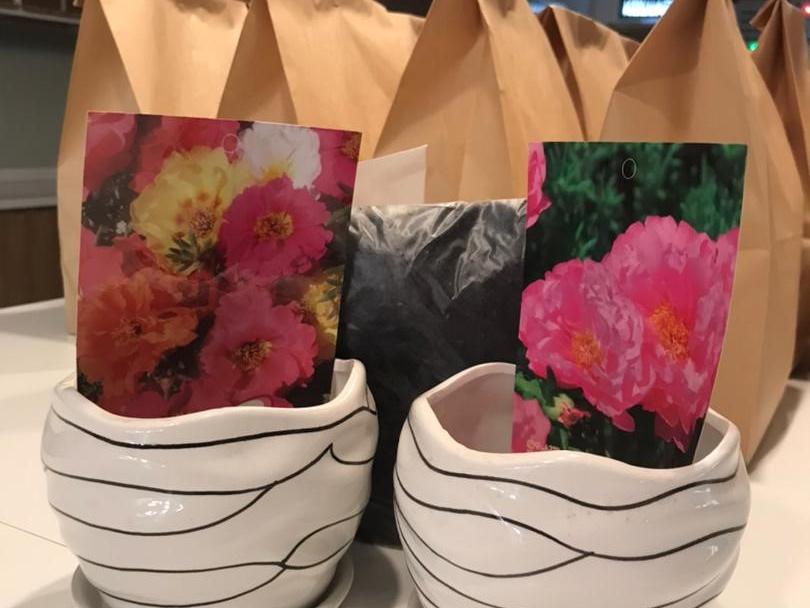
231, 508
560, 529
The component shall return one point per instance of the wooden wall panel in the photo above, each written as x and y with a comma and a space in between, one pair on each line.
29, 256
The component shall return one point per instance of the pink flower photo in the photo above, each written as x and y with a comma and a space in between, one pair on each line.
628, 280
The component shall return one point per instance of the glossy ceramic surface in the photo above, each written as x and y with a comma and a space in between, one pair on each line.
86, 596
233, 507
559, 529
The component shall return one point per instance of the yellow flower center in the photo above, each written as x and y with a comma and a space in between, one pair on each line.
351, 146
250, 355
273, 225
202, 223
585, 350
671, 331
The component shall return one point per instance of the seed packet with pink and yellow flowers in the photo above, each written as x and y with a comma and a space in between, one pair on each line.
630, 255
211, 265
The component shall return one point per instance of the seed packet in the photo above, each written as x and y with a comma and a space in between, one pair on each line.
211, 265
630, 254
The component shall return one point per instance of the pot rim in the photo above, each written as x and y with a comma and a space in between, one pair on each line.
67, 397
423, 415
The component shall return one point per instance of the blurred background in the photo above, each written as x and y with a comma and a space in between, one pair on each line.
36, 46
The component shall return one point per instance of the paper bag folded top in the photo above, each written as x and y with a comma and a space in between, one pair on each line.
592, 57
783, 60
330, 64
692, 79
481, 84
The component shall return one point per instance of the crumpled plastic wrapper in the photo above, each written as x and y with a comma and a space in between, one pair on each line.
431, 290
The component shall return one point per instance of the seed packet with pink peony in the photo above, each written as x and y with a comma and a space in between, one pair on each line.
211, 266
630, 253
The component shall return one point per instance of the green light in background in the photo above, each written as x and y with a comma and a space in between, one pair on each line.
753, 45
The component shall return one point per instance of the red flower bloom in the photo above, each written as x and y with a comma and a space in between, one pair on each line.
125, 327
274, 230
107, 149
339, 153
181, 135
254, 350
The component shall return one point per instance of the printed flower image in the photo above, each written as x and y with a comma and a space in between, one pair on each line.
537, 201
577, 322
339, 153
273, 151
628, 279
274, 230
175, 134
671, 274
128, 325
211, 263
108, 148
179, 215
531, 426
254, 349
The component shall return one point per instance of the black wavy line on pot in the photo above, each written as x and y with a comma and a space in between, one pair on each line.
530, 528
214, 442
280, 563
564, 496
401, 515
444, 583
132, 486
217, 522
284, 569
528, 574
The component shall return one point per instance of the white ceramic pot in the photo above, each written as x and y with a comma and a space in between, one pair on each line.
233, 507
559, 529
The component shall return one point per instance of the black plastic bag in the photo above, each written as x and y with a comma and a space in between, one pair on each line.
430, 291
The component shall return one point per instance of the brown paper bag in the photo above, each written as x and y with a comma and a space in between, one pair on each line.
782, 59
150, 56
326, 63
396, 179
481, 84
692, 79
592, 57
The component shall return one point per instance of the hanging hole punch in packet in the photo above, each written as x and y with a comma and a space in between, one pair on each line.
211, 264
629, 267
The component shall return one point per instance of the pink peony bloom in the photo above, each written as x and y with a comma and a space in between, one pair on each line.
576, 322
530, 428
727, 246
274, 230
181, 135
339, 152
537, 201
107, 149
680, 282
254, 350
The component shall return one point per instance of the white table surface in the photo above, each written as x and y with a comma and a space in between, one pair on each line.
36, 568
